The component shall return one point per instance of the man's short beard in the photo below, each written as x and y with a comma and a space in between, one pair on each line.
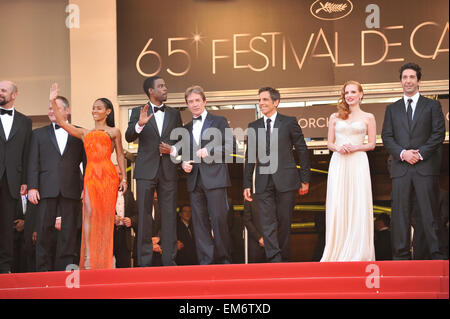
4, 102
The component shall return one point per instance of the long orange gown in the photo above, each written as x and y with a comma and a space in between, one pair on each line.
101, 183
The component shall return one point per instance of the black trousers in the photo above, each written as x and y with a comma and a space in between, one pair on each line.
256, 253
49, 239
122, 249
275, 213
8, 206
426, 190
210, 212
167, 199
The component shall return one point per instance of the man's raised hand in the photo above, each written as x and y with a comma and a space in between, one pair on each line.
143, 117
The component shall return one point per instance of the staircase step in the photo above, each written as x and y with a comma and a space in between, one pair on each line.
410, 279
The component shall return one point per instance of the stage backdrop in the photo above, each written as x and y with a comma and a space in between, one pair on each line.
246, 44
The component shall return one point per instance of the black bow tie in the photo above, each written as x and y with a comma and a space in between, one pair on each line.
197, 118
156, 109
3, 111
57, 127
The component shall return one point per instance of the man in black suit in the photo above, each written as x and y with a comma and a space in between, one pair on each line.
155, 170
210, 144
55, 182
413, 132
187, 252
277, 179
15, 135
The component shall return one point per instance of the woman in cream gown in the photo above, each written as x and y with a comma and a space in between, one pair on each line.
349, 209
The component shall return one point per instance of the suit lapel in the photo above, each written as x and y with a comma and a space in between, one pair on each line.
260, 123
51, 133
15, 125
152, 120
278, 121
418, 111
2, 132
207, 123
167, 119
189, 128
277, 125
70, 139
401, 111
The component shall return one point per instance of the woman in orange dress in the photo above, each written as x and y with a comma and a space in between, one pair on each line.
101, 181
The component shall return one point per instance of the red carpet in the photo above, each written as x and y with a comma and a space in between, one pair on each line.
383, 279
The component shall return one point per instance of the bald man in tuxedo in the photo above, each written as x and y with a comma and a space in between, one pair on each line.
15, 135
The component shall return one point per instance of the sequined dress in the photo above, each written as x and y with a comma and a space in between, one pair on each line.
101, 184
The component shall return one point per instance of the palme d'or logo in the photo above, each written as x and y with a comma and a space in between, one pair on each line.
325, 10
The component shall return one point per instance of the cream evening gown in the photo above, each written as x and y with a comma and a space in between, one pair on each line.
349, 208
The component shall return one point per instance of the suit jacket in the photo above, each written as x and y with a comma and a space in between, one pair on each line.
286, 177
214, 174
53, 173
148, 158
426, 134
14, 152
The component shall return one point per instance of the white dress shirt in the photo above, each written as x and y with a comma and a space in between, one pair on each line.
197, 127
61, 138
7, 121
273, 117
415, 99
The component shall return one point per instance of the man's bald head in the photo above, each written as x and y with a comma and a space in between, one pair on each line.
11, 85
8, 93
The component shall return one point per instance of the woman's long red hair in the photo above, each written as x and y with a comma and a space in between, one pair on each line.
342, 106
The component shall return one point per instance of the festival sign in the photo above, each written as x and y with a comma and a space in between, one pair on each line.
246, 44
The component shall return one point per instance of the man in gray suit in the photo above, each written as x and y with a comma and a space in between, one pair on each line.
413, 132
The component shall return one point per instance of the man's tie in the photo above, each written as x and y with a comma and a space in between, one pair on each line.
197, 118
3, 111
409, 113
268, 136
156, 109
57, 127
